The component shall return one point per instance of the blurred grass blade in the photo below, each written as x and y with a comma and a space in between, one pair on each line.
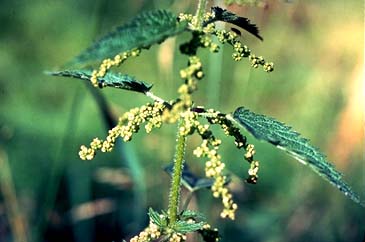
13, 210
129, 156
79, 193
283, 137
58, 167
215, 74
110, 79
141, 32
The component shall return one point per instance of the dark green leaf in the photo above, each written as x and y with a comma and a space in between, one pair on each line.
141, 32
209, 235
203, 183
189, 214
229, 17
156, 218
283, 137
110, 80
187, 226
189, 180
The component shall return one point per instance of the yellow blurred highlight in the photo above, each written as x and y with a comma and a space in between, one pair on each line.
350, 128
115, 177
92, 209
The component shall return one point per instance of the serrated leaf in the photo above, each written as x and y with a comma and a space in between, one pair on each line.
189, 214
141, 32
229, 17
184, 227
282, 136
110, 79
156, 218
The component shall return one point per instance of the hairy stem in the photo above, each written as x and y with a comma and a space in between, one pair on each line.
200, 12
174, 196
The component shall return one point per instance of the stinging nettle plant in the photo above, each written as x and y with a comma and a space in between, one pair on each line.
153, 28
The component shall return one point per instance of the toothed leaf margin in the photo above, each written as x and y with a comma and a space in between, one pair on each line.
141, 32
110, 79
284, 137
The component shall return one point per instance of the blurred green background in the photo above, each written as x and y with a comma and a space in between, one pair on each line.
49, 194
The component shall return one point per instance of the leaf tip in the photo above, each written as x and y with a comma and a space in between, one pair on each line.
48, 73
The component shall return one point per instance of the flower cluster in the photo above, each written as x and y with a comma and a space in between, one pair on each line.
177, 237
241, 50
108, 63
229, 129
191, 74
254, 165
129, 123
151, 233
214, 169
256, 61
154, 232
207, 42
223, 37
190, 123
204, 38
193, 20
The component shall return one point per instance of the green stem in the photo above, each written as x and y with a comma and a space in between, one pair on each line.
174, 196
200, 12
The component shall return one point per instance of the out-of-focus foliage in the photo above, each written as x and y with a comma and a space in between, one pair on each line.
317, 47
